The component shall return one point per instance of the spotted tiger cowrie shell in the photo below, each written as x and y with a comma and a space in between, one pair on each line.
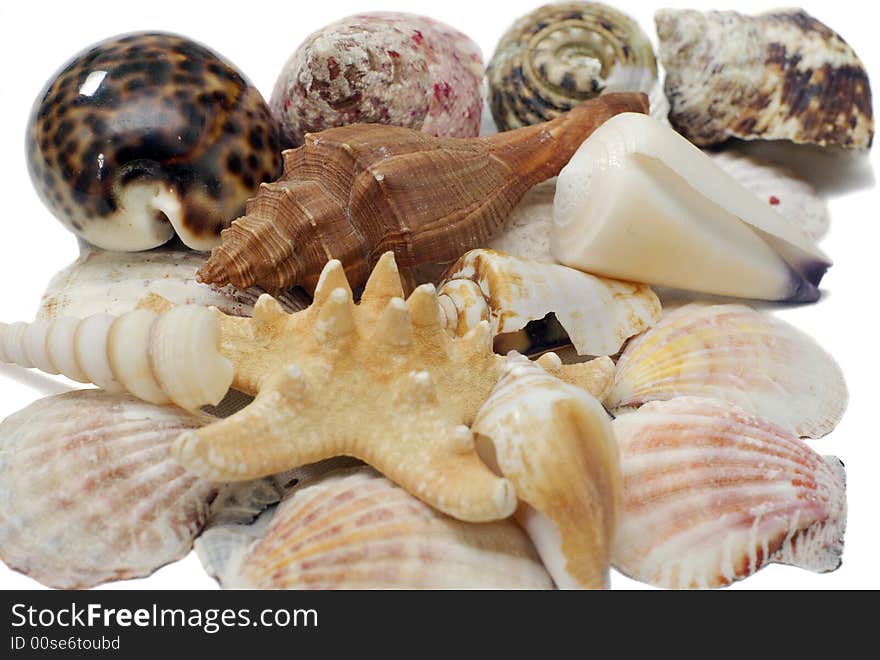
147, 135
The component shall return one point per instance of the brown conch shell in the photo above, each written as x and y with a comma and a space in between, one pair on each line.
381, 381
354, 192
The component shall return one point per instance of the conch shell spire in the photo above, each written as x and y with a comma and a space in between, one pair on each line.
172, 357
354, 192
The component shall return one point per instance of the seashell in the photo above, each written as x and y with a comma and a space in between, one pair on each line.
555, 444
790, 196
382, 67
782, 75
89, 491
100, 282
711, 494
147, 135
527, 230
596, 314
380, 381
172, 358
639, 202
735, 354
561, 54
356, 191
356, 530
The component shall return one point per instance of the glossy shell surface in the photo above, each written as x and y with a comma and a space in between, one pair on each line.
142, 136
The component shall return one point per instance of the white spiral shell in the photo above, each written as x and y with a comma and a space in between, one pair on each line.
160, 358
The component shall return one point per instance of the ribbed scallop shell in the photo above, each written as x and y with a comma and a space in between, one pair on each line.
100, 282
563, 53
357, 530
89, 491
712, 494
792, 197
735, 354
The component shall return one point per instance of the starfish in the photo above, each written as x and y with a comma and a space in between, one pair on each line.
380, 381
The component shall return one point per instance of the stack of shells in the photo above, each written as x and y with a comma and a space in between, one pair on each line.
523, 447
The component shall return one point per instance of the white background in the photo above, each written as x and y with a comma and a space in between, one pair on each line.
37, 37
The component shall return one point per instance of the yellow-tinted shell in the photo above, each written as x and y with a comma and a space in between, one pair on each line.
736, 354
354, 192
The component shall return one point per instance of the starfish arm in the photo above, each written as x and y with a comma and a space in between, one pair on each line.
252, 443
594, 377
437, 462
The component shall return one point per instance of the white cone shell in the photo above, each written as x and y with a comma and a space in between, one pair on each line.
639, 202
527, 230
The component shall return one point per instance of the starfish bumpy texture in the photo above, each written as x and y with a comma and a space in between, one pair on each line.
381, 381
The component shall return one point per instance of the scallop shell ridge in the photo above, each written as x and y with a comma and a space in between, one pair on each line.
712, 494
90, 493
356, 530
739, 355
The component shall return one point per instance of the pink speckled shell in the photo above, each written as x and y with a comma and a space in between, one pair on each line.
382, 67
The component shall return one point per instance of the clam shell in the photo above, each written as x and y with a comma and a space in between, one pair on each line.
555, 444
356, 530
89, 491
712, 493
782, 75
101, 282
790, 196
563, 53
735, 354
